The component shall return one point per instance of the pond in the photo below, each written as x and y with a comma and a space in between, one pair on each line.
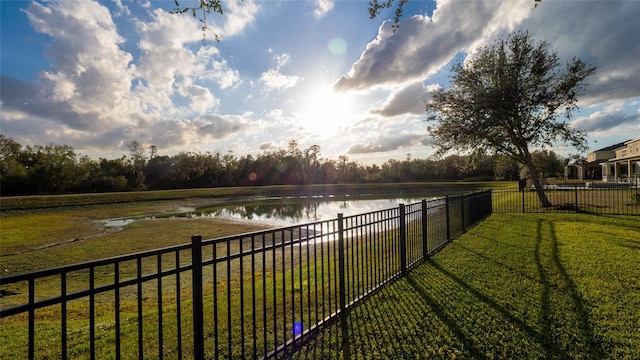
282, 211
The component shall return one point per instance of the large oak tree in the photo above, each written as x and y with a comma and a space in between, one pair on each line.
506, 99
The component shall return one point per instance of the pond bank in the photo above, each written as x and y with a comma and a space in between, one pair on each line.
430, 189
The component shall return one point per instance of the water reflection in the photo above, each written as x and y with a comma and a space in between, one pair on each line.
295, 211
286, 211
119, 222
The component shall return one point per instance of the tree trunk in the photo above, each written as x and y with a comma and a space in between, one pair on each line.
538, 186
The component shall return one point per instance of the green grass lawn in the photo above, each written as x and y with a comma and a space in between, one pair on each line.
518, 286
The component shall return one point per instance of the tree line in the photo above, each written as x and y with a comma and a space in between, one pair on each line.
58, 169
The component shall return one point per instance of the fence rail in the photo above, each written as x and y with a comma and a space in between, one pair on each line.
612, 199
252, 295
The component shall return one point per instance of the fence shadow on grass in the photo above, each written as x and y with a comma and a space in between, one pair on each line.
400, 321
439, 311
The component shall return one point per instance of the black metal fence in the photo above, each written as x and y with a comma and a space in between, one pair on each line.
246, 296
599, 198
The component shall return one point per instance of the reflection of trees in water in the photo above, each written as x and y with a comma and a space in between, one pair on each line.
304, 210
288, 211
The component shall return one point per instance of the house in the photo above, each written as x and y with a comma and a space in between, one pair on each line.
591, 167
624, 166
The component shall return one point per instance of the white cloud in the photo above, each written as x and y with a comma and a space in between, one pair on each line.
273, 79
237, 16
221, 126
122, 9
407, 100
169, 67
164, 56
387, 142
97, 96
282, 59
423, 45
90, 73
322, 7
605, 120
200, 98
212, 67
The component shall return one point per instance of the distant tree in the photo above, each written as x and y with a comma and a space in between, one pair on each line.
112, 175
506, 168
136, 152
478, 166
51, 168
343, 170
138, 161
311, 161
548, 163
157, 171
13, 173
505, 100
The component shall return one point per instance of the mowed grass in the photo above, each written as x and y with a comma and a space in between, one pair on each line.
624, 201
46, 239
518, 286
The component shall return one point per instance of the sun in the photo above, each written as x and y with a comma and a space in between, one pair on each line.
326, 112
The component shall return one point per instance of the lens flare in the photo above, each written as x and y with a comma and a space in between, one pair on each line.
297, 328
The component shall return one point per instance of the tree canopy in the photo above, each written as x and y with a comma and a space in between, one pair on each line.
57, 169
507, 99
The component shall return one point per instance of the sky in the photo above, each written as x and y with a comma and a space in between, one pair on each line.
97, 75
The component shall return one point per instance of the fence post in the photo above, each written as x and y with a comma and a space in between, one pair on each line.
403, 240
576, 191
490, 207
462, 198
342, 288
425, 223
341, 259
198, 321
446, 199
523, 201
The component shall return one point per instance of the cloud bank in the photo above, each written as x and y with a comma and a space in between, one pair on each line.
423, 45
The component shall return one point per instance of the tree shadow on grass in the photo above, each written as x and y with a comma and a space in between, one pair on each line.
564, 284
487, 299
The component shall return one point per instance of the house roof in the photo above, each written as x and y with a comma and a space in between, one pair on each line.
613, 147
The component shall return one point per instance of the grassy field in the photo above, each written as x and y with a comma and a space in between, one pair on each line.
621, 201
46, 239
39, 232
518, 286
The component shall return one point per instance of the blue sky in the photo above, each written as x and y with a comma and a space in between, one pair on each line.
98, 74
